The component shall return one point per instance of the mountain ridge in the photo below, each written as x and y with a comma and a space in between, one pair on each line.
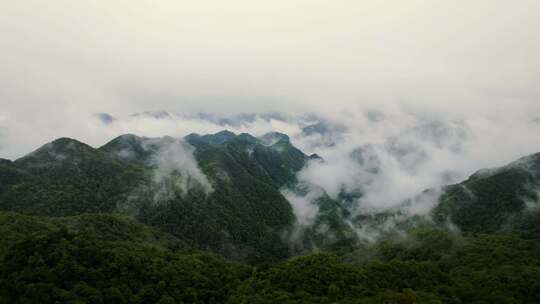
246, 207
245, 210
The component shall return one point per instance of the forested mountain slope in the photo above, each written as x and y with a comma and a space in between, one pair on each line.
241, 212
129, 222
501, 200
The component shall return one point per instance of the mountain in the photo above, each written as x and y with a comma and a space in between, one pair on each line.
230, 198
499, 200
279, 160
67, 177
271, 138
130, 148
210, 139
140, 220
240, 213
328, 134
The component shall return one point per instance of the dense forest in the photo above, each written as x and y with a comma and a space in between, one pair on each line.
115, 225
113, 259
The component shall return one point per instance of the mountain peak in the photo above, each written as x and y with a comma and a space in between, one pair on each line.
65, 144
68, 142
56, 151
271, 138
210, 139
248, 137
225, 133
133, 148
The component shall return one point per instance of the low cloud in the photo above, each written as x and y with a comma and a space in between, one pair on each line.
389, 152
304, 205
176, 169
397, 157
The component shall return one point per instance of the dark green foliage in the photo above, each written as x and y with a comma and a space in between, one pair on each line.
67, 177
281, 160
247, 215
213, 139
244, 217
105, 257
111, 259
318, 278
109, 227
425, 266
61, 267
329, 229
11, 175
323, 278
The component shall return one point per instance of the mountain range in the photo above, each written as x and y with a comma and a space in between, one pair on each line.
207, 219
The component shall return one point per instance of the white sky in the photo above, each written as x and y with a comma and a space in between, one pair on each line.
63, 60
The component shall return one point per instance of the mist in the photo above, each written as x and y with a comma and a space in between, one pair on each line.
412, 96
175, 158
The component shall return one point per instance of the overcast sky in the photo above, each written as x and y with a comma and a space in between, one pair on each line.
62, 61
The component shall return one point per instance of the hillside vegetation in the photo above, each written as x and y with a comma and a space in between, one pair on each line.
204, 220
